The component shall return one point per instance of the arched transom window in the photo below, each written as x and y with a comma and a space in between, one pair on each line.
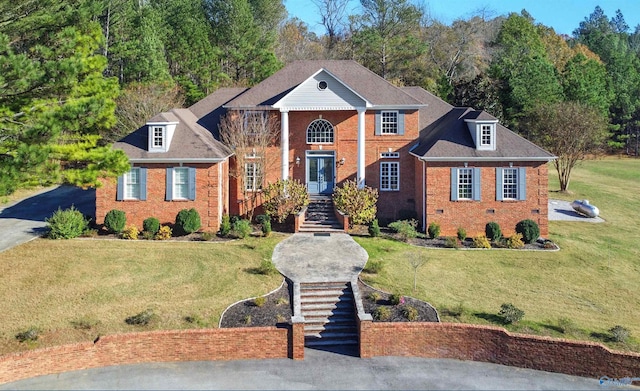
320, 131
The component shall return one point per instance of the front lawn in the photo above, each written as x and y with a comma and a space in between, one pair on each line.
586, 288
75, 290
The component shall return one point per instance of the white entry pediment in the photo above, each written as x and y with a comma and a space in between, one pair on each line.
322, 91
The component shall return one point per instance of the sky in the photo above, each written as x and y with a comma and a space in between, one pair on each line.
563, 15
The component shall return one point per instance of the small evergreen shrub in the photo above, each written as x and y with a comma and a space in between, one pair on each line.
619, 333
510, 313
260, 301
481, 242
66, 224
515, 241
358, 204
141, 319
225, 226
461, 234
382, 313
241, 228
529, 230
187, 221
130, 233
434, 230
410, 312
373, 266
396, 299
148, 235
29, 335
374, 228
451, 242
164, 233
265, 224
492, 231
373, 297
151, 225
115, 221
406, 229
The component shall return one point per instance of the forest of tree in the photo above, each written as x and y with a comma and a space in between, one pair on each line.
75, 75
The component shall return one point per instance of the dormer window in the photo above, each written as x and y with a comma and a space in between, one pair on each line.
158, 137
486, 135
483, 132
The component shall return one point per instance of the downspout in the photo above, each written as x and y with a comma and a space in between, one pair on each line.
424, 197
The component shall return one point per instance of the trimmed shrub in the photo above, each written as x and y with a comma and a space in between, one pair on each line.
267, 267
492, 231
265, 224
382, 313
462, 234
529, 230
396, 299
151, 225
619, 333
66, 224
284, 198
510, 313
434, 230
410, 312
373, 266
225, 226
358, 204
130, 233
241, 228
164, 233
406, 229
374, 228
515, 242
187, 221
481, 242
451, 242
115, 221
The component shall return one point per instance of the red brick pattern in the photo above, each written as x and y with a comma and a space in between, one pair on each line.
474, 215
495, 345
157, 346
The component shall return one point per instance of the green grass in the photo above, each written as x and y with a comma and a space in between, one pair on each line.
592, 281
74, 290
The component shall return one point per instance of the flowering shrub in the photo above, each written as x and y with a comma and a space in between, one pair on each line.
164, 233
284, 198
130, 233
481, 242
359, 204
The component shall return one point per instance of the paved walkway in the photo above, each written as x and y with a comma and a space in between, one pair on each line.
319, 370
307, 257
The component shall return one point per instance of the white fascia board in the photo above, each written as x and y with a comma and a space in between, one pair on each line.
398, 107
278, 104
486, 159
482, 121
176, 160
162, 123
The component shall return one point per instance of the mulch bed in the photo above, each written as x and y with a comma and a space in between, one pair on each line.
277, 309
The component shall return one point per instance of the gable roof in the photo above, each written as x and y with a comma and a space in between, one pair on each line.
190, 142
361, 80
449, 139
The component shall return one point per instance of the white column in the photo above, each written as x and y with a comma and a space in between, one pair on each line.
361, 148
284, 142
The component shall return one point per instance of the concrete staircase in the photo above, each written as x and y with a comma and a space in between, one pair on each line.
320, 217
329, 314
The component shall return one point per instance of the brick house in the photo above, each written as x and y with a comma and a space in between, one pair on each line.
429, 160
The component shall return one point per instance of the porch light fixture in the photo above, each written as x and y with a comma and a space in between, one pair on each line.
342, 161
298, 161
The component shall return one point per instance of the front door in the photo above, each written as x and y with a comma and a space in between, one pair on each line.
320, 174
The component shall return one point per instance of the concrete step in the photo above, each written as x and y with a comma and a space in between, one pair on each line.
311, 342
327, 306
332, 327
318, 299
319, 313
335, 335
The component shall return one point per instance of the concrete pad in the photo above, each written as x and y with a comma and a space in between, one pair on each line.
563, 211
308, 257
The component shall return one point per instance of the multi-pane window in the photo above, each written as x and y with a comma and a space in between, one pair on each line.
389, 122
390, 155
485, 135
181, 183
510, 184
320, 131
255, 122
465, 183
252, 176
132, 184
389, 176
158, 137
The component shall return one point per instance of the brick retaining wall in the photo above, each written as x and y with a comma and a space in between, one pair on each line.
495, 345
145, 347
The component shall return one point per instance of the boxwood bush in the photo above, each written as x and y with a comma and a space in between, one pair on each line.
115, 220
529, 230
187, 221
492, 231
151, 225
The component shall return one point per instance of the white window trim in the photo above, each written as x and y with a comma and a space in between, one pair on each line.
126, 182
390, 155
516, 183
256, 164
489, 128
176, 184
333, 132
162, 138
470, 184
390, 164
382, 122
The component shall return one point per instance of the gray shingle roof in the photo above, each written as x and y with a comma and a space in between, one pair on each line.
365, 83
449, 138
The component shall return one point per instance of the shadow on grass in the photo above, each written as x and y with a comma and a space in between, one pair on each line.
493, 318
604, 337
552, 327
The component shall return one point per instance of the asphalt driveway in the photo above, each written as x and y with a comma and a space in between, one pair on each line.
25, 220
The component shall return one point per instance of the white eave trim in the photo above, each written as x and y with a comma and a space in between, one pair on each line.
486, 159
178, 160
162, 123
482, 121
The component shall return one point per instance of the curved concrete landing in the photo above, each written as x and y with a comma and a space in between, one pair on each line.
307, 257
